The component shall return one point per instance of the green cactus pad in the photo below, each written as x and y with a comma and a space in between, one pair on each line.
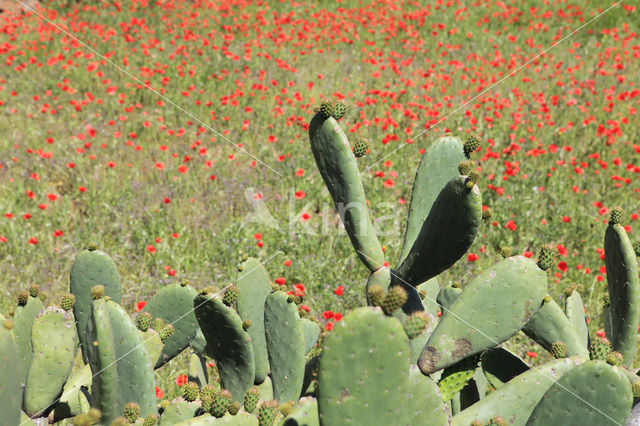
179, 411
456, 377
574, 310
438, 166
363, 372
550, 325
241, 419
447, 295
491, 308
23, 320
54, 342
447, 233
593, 393
624, 291
91, 268
517, 399
378, 281
11, 386
254, 286
305, 413
198, 369
339, 170
73, 400
311, 332
425, 405
227, 343
285, 346
153, 344
174, 305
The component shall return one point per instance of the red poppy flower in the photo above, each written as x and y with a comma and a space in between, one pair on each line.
140, 305
329, 326
327, 315
532, 354
337, 316
181, 380
159, 393
339, 291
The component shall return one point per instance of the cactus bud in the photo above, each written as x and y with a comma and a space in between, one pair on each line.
157, 324
617, 214
465, 167
286, 409
43, 296
230, 295
120, 421
8, 324
376, 295
473, 178
143, 321
67, 301
546, 256
487, 214
131, 412
559, 350
190, 391
497, 421
605, 299
94, 415
92, 246
97, 292
546, 299
395, 298
34, 290
23, 298
150, 420
246, 324
471, 143
506, 252
267, 413
636, 247
332, 107
184, 283
456, 284
166, 332
275, 287
360, 147
234, 408
415, 324
422, 293
600, 348
251, 399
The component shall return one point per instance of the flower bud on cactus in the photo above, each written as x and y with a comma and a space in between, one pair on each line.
230, 295
395, 298
617, 214
546, 298
43, 296
221, 402
251, 399
559, 350
546, 256
275, 287
477, 423
471, 143
190, 391
331, 107
166, 332
618, 359
67, 302
206, 402
473, 178
465, 167
506, 252
97, 292
568, 291
92, 246
286, 409
600, 348
635, 389
184, 283
143, 321
246, 324
415, 324
131, 412
207, 390
34, 290
8, 324
234, 408
376, 295
23, 298
360, 147
150, 420
94, 415
267, 413
157, 324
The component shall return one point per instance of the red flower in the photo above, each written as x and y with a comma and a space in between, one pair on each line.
566, 219
82, 189
33, 240
327, 315
257, 236
151, 249
527, 254
181, 380
260, 244
279, 280
472, 257
300, 289
563, 266
305, 308
337, 316
300, 172
329, 326
339, 291
58, 233
532, 354
511, 225
159, 393
140, 305
600, 333
300, 195
171, 272
287, 262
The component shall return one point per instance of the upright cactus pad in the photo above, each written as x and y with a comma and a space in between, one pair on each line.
574, 310
285, 346
438, 165
624, 290
339, 170
54, 342
363, 371
253, 288
227, 343
425, 404
23, 320
517, 399
10, 382
91, 267
174, 305
593, 393
456, 377
311, 332
447, 233
469, 327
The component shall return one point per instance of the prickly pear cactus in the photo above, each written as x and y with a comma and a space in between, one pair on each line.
10, 386
26, 311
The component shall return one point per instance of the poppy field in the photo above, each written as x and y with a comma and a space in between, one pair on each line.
175, 136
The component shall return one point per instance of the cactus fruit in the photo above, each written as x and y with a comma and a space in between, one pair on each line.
331, 107
472, 179
285, 409
600, 348
150, 420
636, 248
23, 298
267, 413
221, 402
464, 167
246, 324
506, 252
546, 256
190, 391
143, 321
497, 421
166, 332
559, 350
234, 408
339, 170
415, 324
395, 298
131, 412
617, 214
487, 214
230, 295
360, 147
157, 324
376, 295
251, 400
67, 301
471, 144
34, 289
97, 292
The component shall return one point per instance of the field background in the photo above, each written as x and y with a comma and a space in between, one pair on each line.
179, 181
